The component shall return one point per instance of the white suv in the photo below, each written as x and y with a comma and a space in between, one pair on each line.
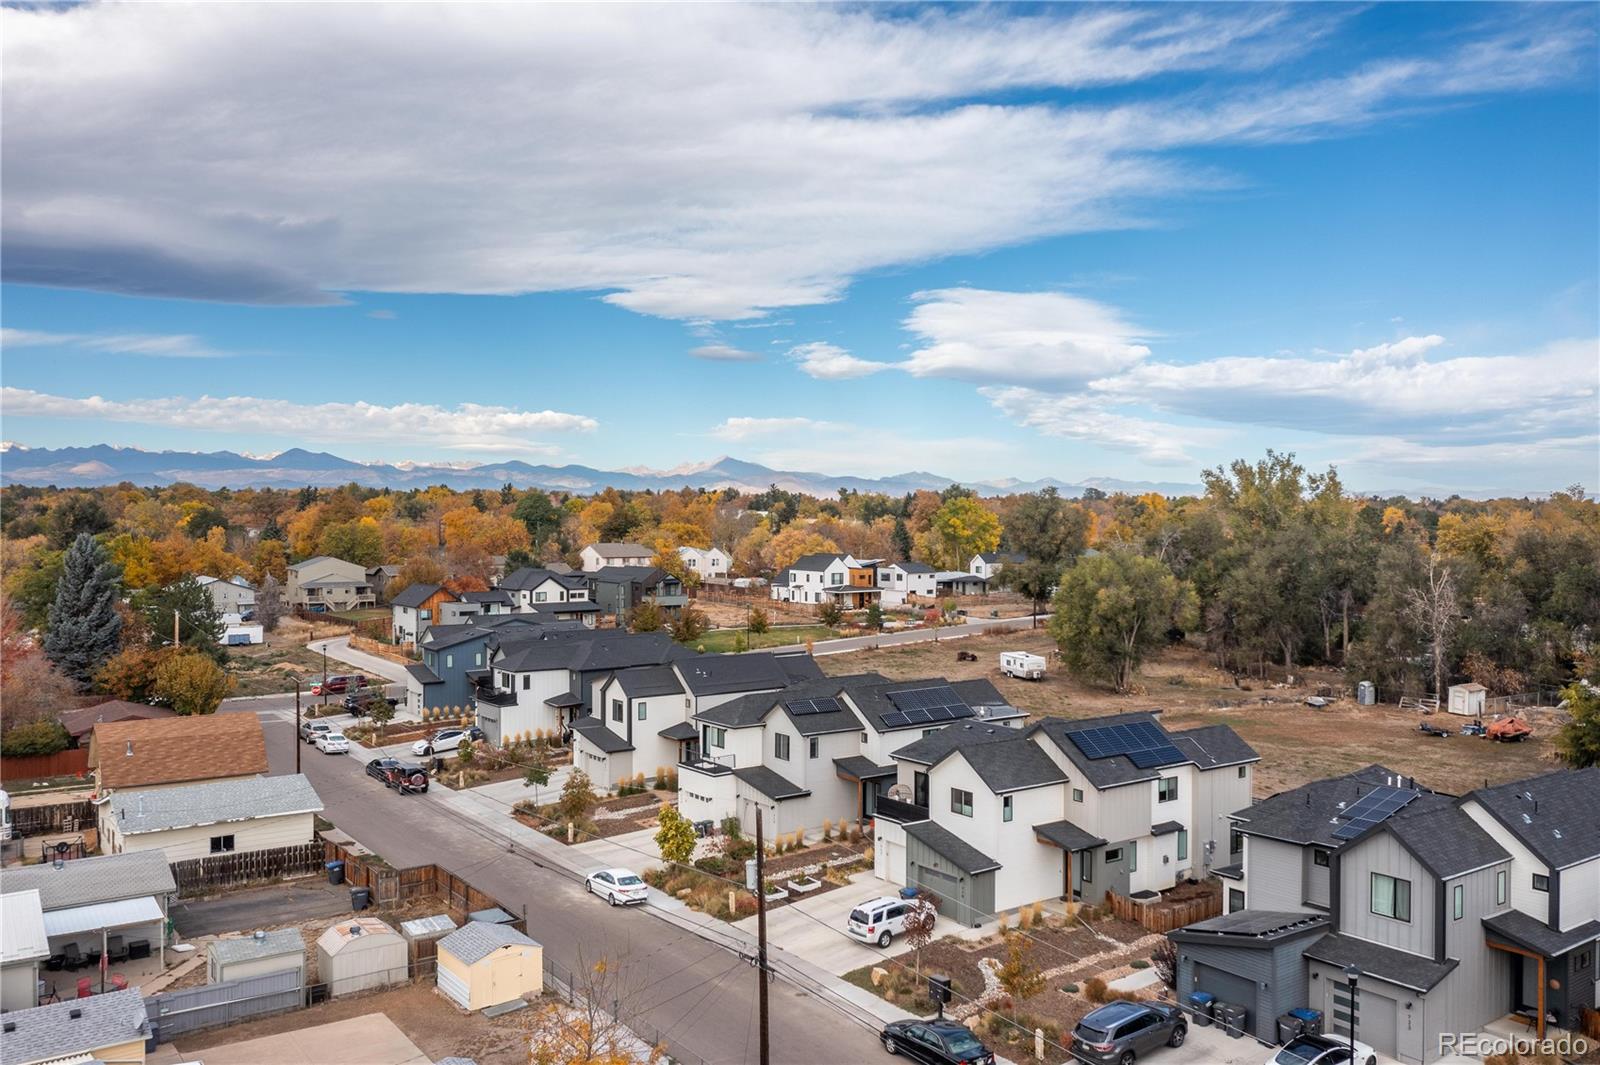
879, 920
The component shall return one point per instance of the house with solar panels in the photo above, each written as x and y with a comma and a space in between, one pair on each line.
821, 749
989, 819
1453, 913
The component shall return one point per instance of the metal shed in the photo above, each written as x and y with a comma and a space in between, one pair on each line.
483, 965
360, 953
423, 934
257, 955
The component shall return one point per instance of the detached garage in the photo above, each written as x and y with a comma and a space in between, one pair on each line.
1253, 958
483, 965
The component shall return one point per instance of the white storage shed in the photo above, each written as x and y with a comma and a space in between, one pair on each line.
482, 965
359, 954
256, 955
1468, 700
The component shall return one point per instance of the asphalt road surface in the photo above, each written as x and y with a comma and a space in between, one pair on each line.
697, 995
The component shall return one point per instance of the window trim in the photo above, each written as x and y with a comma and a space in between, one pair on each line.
1006, 810
641, 707
1320, 858
1183, 844
813, 747
780, 746
223, 844
1162, 791
1536, 886
961, 802
1077, 794
1394, 896
1108, 855
1458, 902
1502, 889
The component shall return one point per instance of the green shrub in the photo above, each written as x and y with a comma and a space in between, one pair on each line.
1140, 963
34, 738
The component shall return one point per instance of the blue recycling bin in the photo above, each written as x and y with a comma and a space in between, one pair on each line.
335, 872
1200, 1003
908, 892
1312, 1019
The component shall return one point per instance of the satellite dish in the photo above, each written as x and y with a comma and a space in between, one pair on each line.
899, 793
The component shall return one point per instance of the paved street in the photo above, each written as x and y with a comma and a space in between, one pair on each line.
973, 627
695, 992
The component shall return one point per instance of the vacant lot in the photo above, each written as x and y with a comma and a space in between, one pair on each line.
724, 640
266, 669
1296, 742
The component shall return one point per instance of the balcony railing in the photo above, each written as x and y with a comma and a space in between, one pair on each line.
714, 765
495, 696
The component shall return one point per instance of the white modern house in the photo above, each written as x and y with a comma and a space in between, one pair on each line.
705, 561
810, 578
597, 556
988, 819
989, 564
903, 581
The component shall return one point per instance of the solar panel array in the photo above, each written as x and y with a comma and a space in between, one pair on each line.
1142, 743
1373, 808
806, 707
926, 706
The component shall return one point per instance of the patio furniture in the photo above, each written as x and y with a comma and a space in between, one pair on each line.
72, 957
85, 986
139, 948
56, 962
47, 993
91, 957
119, 982
116, 949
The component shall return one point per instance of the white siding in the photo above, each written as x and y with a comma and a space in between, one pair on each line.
259, 834
1382, 853
1580, 894
1524, 865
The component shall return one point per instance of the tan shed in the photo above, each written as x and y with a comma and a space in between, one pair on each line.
483, 965
360, 953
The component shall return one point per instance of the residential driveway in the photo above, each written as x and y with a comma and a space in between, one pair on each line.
973, 627
263, 907
372, 1039
632, 850
814, 928
339, 647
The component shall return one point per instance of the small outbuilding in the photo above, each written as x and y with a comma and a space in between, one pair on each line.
256, 955
359, 954
1468, 700
483, 965
422, 937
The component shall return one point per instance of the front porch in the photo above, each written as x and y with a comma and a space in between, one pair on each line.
1548, 969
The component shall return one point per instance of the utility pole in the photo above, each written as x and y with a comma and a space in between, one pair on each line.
297, 737
761, 937
175, 640
324, 672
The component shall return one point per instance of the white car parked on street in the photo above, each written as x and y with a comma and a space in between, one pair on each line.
332, 743
619, 887
446, 739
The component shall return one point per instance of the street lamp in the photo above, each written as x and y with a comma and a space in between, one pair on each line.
1352, 974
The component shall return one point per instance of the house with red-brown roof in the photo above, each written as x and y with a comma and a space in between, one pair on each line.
166, 752
80, 723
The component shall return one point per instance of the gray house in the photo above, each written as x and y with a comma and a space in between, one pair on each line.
451, 655
617, 590
1453, 912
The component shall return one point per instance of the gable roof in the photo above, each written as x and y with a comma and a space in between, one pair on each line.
493, 595
1552, 815
583, 649
1386, 963
936, 746
530, 577
643, 681
991, 557
213, 802
82, 721
131, 754
981, 694
103, 878
1014, 764
414, 595
1445, 840
74, 1029
613, 550
910, 567
647, 576
770, 783
819, 560
1207, 748
438, 637
595, 731
476, 940
1306, 814
748, 710
1212, 746
760, 671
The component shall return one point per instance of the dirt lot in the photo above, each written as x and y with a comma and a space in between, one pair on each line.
427, 1018
1296, 743
272, 667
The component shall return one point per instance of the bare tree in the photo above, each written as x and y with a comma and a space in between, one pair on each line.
921, 920
269, 604
1435, 611
587, 1028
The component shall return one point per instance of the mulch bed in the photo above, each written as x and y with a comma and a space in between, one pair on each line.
774, 868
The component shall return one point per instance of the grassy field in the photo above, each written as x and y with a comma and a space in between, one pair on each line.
268, 670
725, 640
369, 613
1296, 742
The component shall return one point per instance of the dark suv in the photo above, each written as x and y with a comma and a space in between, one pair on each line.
1121, 1032
398, 775
935, 1042
359, 703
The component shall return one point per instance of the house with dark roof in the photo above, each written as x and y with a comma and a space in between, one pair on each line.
1453, 912
903, 582
1060, 809
596, 556
988, 564
80, 723
414, 608
618, 590
563, 595
826, 576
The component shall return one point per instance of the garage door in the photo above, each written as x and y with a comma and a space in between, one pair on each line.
949, 890
1228, 987
455, 987
1377, 1018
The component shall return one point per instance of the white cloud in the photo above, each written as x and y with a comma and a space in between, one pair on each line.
169, 346
469, 426
1079, 417
740, 429
829, 362
1019, 337
381, 314
724, 353
698, 162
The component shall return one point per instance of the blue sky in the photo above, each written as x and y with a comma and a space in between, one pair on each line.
986, 242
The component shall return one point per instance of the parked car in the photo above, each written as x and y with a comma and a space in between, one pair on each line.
619, 887
310, 730
446, 739
878, 920
360, 703
398, 775
338, 685
1322, 1050
936, 1042
1121, 1032
332, 743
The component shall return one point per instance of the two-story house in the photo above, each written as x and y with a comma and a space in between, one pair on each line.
637, 728
598, 556
824, 577
902, 582
1450, 913
451, 654
235, 595
534, 586
705, 561
989, 564
415, 608
323, 584
1068, 809
618, 590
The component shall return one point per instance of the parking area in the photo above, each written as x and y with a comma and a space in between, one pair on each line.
269, 906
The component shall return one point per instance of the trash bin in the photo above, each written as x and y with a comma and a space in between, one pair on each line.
1231, 1016
360, 898
1311, 1019
908, 892
1200, 1007
335, 872
1290, 1026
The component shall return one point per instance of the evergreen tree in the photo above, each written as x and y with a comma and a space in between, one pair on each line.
199, 623
84, 623
902, 540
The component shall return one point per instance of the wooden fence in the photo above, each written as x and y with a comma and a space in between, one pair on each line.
391, 886
202, 876
55, 817
41, 766
1163, 917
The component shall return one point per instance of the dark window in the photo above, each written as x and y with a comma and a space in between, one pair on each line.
1113, 855
780, 745
1235, 900
527, 681
1088, 866
1541, 883
1500, 888
616, 710
919, 789
1235, 842
1242, 770
1459, 901
1582, 960
813, 747
640, 707
1077, 794
1391, 897
1005, 808
221, 844
1319, 857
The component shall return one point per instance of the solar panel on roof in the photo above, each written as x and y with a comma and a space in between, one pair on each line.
1373, 808
1142, 742
807, 707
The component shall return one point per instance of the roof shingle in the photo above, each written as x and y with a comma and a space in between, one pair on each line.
131, 754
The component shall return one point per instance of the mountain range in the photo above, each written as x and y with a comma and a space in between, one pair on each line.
103, 464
